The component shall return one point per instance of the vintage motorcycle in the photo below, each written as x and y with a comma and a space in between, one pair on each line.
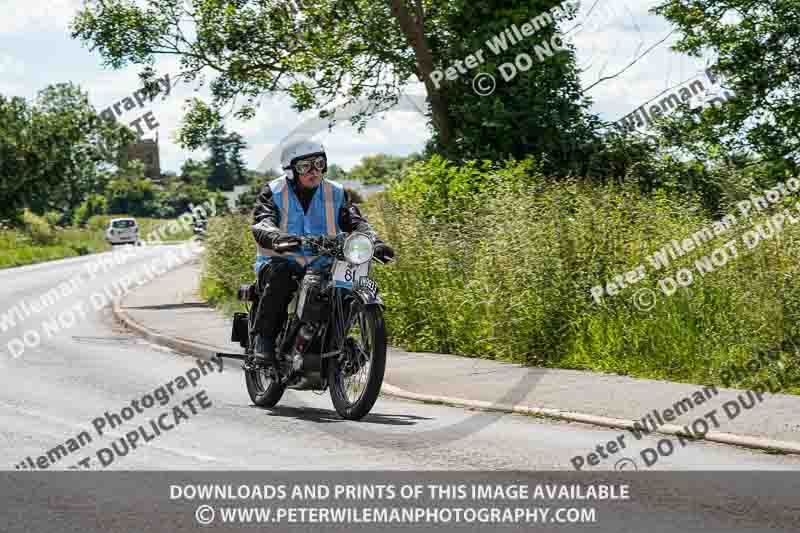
200, 228
334, 335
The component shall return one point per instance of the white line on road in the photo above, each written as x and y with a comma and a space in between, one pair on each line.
70, 424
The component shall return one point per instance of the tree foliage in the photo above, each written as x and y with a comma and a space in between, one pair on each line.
755, 43
221, 176
224, 168
381, 168
246, 201
340, 52
319, 53
336, 173
541, 112
54, 151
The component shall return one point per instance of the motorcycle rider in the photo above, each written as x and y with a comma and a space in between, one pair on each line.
300, 203
199, 224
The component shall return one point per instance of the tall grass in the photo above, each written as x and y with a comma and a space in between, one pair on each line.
229, 258
513, 283
506, 274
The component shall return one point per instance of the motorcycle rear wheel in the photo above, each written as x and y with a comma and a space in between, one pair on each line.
371, 355
263, 390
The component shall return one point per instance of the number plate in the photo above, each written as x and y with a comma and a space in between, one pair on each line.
345, 274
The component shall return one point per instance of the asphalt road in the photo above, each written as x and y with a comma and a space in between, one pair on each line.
53, 392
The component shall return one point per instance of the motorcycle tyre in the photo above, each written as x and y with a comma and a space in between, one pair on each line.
362, 407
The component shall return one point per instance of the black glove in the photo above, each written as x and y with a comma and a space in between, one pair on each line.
383, 252
285, 243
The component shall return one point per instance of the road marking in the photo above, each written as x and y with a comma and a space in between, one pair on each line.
68, 423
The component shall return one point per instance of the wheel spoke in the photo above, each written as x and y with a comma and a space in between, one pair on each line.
359, 352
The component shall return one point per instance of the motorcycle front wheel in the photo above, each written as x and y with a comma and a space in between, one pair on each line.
356, 377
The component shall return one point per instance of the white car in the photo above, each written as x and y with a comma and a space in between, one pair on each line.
122, 231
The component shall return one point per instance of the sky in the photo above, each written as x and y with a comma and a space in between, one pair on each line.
36, 50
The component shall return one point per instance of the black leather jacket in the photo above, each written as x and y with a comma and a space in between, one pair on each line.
266, 226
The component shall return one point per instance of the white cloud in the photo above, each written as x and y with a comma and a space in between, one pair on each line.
608, 40
11, 66
38, 15
611, 46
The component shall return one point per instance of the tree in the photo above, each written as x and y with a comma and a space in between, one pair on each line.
316, 52
55, 151
225, 166
195, 171
221, 177
179, 197
755, 42
236, 145
336, 173
541, 111
246, 201
381, 168
334, 52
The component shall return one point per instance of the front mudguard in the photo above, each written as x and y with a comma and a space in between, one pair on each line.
368, 297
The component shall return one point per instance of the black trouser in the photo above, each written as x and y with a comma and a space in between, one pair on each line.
276, 287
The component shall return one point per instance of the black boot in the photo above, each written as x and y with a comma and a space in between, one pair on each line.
264, 351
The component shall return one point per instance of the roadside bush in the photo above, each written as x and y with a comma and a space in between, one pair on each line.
38, 229
94, 204
54, 218
440, 190
512, 280
499, 262
229, 258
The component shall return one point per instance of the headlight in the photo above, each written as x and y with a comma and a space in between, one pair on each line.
358, 249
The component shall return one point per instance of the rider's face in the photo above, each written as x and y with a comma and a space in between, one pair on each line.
311, 179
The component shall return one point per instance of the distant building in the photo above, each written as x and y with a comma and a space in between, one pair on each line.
146, 151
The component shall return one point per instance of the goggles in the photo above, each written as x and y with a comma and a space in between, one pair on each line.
304, 166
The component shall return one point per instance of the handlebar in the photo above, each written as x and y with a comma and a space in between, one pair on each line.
319, 244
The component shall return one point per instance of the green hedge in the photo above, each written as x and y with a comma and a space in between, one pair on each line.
510, 278
228, 260
495, 261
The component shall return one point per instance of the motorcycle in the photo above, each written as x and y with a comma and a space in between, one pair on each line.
200, 228
334, 336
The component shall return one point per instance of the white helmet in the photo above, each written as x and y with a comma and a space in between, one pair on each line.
299, 150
